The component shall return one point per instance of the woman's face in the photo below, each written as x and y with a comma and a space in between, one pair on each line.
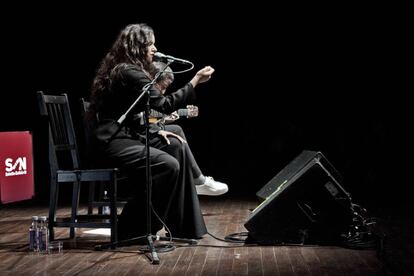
151, 49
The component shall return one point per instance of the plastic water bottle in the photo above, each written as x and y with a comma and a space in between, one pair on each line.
34, 234
43, 235
105, 209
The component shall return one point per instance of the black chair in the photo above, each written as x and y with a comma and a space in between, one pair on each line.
65, 169
96, 197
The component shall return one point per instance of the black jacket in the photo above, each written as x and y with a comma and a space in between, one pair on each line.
125, 88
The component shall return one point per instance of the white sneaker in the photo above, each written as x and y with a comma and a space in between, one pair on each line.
212, 187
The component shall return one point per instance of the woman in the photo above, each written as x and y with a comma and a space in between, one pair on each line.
205, 185
123, 73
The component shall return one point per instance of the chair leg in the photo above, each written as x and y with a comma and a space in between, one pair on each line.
114, 211
75, 204
53, 201
101, 196
91, 197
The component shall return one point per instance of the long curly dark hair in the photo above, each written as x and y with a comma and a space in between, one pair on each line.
129, 48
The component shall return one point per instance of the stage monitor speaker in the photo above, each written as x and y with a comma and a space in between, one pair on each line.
293, 168
303, 203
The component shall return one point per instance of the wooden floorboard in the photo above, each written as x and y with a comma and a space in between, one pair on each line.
223, 216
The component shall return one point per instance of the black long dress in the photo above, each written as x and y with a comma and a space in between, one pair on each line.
174, 197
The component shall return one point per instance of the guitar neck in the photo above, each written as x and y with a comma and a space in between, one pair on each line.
181, 112
156, 114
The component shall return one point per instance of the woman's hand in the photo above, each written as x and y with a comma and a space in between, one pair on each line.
202, 75
165, 134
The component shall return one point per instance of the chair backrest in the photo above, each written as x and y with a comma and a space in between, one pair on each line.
63, 148
90, 122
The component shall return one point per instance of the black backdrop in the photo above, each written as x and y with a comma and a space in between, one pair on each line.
285, 80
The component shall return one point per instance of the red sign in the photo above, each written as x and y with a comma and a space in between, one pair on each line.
16, 166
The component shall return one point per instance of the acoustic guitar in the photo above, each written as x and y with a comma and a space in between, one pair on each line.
190, 111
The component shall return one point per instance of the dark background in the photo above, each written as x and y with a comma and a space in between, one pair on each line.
332, 80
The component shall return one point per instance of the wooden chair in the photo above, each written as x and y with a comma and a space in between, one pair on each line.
96, 189
65, 170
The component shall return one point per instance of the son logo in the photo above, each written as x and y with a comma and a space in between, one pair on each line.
17, 167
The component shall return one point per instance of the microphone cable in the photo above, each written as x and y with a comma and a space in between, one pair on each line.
233, 238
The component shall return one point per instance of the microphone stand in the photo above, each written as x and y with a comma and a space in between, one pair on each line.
149, 237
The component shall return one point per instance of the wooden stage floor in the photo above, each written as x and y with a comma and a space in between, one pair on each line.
223, 216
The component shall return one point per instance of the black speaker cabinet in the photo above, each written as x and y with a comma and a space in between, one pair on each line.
304, 202
293, 168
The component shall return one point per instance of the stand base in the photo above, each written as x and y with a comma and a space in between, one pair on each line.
143, 240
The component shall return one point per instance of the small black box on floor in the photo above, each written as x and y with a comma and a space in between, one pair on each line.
304, 203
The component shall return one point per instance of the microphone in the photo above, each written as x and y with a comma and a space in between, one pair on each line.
161, 57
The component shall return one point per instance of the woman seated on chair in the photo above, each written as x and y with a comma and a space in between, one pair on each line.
119, 81
205, 185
